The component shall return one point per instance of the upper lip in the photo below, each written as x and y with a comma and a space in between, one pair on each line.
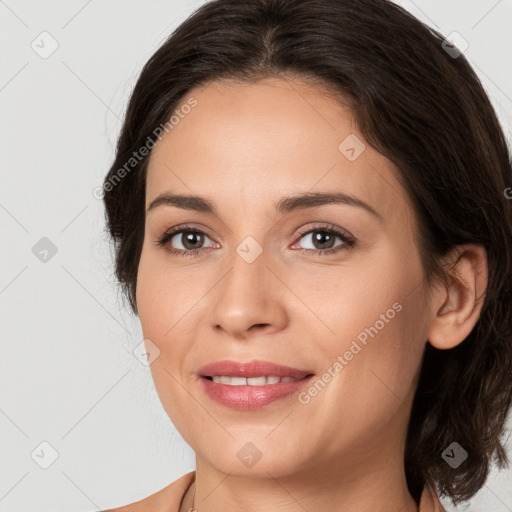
249, 369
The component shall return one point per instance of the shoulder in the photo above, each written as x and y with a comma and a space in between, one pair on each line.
167, 499
429, 501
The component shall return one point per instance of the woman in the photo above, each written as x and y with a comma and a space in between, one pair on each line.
309, 206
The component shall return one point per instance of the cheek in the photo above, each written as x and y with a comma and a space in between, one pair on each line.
159, 311
372, 292
149, 302
160, 296
379, 316
377, 381
165, 304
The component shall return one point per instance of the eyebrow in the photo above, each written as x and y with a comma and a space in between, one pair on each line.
284, 205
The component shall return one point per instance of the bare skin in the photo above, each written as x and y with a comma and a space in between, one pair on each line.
244, 147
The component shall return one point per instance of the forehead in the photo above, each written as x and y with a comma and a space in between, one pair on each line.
248, 144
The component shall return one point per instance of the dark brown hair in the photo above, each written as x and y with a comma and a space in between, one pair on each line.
417, 104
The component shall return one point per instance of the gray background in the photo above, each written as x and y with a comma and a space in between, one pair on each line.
68, 374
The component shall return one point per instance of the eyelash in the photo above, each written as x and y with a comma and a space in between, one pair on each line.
348, 240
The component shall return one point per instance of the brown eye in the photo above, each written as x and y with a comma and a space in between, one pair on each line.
183, 241
323, 239
191, 239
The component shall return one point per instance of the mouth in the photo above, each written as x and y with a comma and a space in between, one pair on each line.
251, 385
250, 381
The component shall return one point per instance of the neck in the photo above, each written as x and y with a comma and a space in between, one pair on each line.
331, 490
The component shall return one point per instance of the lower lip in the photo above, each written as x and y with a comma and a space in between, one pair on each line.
251, 397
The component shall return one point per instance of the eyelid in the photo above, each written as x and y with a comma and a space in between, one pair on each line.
186, 227
325, 226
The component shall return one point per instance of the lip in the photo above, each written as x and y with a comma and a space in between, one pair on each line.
251, 397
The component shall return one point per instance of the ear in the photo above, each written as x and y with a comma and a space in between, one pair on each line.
456, 308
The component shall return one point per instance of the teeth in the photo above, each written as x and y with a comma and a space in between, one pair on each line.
256, 381
251, 381
237, 381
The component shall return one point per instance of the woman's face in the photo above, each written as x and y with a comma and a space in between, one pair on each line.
253, 284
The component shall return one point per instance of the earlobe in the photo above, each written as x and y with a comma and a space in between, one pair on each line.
456, 308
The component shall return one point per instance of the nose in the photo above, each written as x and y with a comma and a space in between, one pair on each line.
249, 299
